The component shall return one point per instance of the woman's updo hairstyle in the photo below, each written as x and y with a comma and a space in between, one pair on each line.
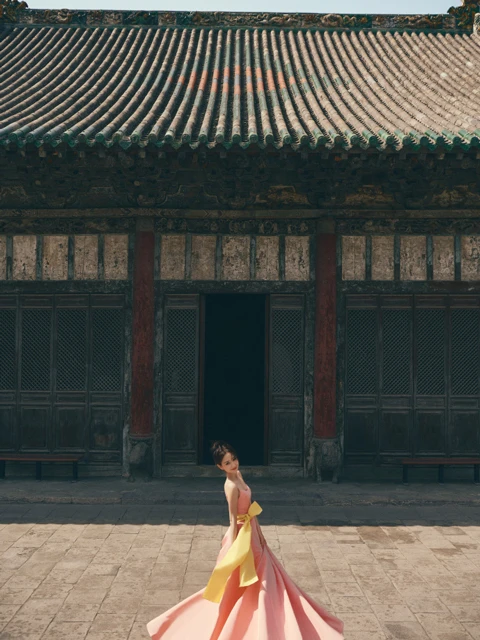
219, 448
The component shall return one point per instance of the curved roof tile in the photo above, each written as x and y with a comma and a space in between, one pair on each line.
177, 86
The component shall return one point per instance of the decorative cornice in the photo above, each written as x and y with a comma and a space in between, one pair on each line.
465, 15
222, 19
9, 10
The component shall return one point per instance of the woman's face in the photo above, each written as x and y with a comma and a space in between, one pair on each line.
229, 463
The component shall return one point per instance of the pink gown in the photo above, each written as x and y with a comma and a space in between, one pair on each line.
274, 608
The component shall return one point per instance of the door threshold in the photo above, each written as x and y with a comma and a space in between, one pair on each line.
210, 471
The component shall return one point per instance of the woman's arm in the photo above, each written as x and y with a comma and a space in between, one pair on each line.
231, 492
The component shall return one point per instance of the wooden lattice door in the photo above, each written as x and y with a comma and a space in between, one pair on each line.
286, 379
181, 378
412, 376
62, 374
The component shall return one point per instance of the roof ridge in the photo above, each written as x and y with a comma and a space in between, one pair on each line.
457, 18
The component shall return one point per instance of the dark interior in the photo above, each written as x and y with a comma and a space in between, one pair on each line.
234, 383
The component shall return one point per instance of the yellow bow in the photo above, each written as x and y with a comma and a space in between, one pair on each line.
240, 555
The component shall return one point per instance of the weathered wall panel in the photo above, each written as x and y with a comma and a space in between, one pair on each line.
382, 258
470, 257
266, 258
115, 258
353, 257
443, 258
203, 257
413, 258
55, 258
86, 257
24, 257
172, 257
236, 258
3, 257
297, 258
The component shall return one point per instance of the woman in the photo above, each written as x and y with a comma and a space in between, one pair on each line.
249, 595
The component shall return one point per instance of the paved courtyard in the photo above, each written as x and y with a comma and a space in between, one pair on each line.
100, 572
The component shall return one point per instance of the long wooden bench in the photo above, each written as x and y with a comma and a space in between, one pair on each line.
441, 463
38, 458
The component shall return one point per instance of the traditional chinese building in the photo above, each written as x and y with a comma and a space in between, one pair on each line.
264, 228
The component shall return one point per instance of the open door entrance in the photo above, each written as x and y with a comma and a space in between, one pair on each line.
234, 375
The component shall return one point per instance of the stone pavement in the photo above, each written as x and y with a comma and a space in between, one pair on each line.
101, 571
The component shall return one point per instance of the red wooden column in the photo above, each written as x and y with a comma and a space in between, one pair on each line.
325, 337
143, 331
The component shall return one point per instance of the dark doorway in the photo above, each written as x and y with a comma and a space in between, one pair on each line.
234, 375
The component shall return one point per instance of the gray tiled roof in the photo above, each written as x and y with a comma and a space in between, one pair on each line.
156, 85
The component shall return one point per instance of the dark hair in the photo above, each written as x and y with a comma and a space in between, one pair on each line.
219, 448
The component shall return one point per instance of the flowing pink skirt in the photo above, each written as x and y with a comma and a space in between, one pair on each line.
274, 608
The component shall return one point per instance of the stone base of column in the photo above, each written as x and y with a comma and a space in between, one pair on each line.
140, 458
327, 459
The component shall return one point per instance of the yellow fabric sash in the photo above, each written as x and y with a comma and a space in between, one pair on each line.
240, 555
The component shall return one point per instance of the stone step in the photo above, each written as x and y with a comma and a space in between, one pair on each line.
209, 491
